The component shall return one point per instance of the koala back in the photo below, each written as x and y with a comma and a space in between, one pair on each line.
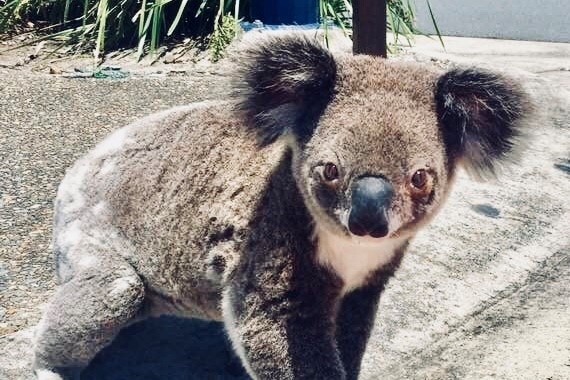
173, 193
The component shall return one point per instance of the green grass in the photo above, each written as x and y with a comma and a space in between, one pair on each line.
105, 25
401, 22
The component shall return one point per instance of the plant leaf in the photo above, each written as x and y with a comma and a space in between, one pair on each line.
177, 18
435, 25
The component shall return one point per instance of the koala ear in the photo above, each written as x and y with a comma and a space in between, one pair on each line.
285, 83
481, 115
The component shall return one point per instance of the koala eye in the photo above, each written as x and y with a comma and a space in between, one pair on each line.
330, 172
419, 179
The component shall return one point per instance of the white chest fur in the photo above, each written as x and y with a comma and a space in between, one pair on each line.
353, 259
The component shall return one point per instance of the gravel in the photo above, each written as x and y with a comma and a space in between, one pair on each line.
46, 123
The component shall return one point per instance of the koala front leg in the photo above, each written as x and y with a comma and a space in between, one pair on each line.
281, 337
85, 314
354, 324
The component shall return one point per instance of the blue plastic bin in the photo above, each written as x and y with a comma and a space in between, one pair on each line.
288, 12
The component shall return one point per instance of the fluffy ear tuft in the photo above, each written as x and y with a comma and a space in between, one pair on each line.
481, 115
284, 83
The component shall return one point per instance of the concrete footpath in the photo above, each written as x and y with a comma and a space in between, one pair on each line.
484, 293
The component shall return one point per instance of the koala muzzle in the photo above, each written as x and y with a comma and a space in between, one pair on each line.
371, 198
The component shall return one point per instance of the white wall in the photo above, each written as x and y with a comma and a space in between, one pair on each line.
535, 20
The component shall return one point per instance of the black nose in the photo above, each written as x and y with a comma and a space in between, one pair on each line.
371, 197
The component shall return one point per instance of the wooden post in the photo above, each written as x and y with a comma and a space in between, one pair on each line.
369, 27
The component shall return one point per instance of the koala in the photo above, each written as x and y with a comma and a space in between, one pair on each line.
282, 211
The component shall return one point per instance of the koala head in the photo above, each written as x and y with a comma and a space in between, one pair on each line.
375, 142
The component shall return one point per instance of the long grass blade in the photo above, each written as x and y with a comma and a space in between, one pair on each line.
142, 12
435, 25
219, 15
393, 24
236, 11
337, 17
66, 11
85, 13
155, 27
323, 16
140, 46
102, 22
177, 18
143, 35
201, 8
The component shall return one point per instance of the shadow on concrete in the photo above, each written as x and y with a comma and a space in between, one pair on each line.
168, 348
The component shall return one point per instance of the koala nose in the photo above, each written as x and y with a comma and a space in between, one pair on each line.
371, 197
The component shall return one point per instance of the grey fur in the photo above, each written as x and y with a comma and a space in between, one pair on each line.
185, 212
